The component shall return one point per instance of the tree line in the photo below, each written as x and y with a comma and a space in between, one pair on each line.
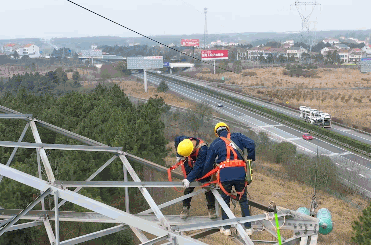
53, 82
105, 115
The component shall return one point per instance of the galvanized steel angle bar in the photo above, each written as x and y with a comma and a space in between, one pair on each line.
44, 158
88, 203
92, 177
157, 239
61, 147
176, 200
158, 184
94, 235
8, 110
13, 220
56, 217
230, 215
69, 133
24, 225
15, 116
145, 193
16, 148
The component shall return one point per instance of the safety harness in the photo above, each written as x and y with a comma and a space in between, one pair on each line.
190, 160
228, 163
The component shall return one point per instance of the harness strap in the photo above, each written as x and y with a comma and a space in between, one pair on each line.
188, 160
228, 163
180, 163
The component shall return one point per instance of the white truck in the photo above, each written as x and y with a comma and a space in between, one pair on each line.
315, 117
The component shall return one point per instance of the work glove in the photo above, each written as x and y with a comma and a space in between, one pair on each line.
186, 183
179, 159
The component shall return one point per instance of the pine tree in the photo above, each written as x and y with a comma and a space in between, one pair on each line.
162, 87
362, 227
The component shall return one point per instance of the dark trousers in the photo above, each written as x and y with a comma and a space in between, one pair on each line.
238, 185
209, 198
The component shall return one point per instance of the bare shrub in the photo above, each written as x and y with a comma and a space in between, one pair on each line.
249, 73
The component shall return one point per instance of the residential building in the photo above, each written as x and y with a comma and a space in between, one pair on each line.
331, 41
289, 42
296, 52
355, 55
344, 55
366, 51
327, 50
31, 50
9, 48
341, 46
255, 52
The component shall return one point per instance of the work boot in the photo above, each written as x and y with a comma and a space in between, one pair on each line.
249, 231
226, 232
212, 213
185, 213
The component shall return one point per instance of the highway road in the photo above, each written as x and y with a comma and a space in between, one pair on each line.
365, 138
356, 169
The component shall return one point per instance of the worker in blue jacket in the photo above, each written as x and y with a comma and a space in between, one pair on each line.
234, 174
193, 152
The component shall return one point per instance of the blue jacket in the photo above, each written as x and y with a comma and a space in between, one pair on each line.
195, 173
218, 153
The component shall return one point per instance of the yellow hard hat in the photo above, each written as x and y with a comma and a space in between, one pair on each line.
220, 124
185, 147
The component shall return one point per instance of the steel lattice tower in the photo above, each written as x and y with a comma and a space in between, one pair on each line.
305, 24
205, 29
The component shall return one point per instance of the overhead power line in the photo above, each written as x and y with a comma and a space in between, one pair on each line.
222, 68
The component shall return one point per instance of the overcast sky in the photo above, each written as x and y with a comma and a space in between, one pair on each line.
60, 18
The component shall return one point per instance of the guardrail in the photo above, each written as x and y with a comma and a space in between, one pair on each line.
341, 140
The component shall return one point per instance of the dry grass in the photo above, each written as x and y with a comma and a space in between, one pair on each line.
10, 70
339, 99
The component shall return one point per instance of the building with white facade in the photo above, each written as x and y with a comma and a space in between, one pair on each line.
327, 50
31, 50
10, 48
341, 46
331, 41
296, 52
344, 55
355, 55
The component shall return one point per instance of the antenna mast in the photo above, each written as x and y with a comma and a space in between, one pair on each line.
205, 30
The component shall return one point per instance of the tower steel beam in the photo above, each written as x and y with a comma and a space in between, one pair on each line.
15, 116
94, 235
145, 193
91, 177
44, 158
24, 211
59, 147
94, 205
16, 148
24, 225
125, 184
230, 215
176, 200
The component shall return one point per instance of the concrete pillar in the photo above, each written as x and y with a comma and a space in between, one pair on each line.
145, 81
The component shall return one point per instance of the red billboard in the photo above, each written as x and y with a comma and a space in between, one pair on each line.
214, 54
190, 42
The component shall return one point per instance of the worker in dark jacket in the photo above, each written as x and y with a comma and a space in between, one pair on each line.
193, 152
218, 152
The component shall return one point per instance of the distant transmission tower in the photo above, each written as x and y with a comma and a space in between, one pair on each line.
305, 24
205, 30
